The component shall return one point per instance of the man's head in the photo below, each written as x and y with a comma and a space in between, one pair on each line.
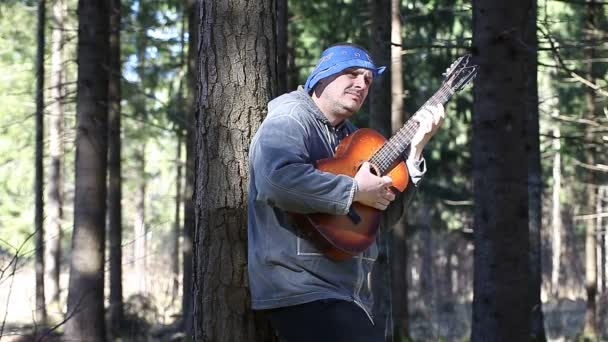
340, 82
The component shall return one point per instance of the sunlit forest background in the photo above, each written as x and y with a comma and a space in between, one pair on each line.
157, 82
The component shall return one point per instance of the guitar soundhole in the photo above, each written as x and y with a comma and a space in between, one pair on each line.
373, 169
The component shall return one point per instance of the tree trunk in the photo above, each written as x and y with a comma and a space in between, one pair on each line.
556, 214
55, 191
41, 318
428, 253
177, 223
85, 315
501, 39
535, 182
380, 49
116, 309
602, 225
187, 297
237, 61
396, 69
380, 120
139, 223
399, 248
282, 46
590, 329
140, 231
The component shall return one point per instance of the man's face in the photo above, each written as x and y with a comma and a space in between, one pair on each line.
343, 94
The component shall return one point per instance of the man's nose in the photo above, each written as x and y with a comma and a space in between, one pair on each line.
360, 82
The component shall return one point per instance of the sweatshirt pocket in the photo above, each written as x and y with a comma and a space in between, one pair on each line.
306, 248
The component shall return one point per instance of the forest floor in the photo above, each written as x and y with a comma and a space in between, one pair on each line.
152, 316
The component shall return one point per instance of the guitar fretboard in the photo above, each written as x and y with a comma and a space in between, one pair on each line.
394, 148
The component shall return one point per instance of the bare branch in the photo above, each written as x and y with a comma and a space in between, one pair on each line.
596, 167
14, 261
565, 67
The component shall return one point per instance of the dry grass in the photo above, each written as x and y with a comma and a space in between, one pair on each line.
149, 300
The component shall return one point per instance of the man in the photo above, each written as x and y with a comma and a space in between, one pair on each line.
310, 297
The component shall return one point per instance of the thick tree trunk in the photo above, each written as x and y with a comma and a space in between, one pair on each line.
41, 318
85, 314
237, 61
116, 309
282, 46
55, 183
502, 294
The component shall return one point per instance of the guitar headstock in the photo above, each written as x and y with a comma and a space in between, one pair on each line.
460, 73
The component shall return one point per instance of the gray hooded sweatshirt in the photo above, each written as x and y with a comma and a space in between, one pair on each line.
284, 268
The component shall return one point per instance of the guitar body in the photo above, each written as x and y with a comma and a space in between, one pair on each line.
340, 236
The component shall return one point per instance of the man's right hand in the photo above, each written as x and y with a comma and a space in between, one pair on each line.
373, 191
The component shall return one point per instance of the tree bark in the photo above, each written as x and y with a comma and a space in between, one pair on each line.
237, 70
85, 314
501, 303
116, 309
282, 46
41, 318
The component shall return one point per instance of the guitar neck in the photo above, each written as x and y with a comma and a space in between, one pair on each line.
394, 148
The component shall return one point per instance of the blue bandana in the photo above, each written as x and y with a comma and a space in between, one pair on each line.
337, 58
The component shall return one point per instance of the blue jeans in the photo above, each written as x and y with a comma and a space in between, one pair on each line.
328, 320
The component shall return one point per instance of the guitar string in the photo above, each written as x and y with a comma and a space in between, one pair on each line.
387, 154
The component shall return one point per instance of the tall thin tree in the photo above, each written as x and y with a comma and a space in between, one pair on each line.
140, 229
85, 311
55, 181
116, 309
590, 331
380, 120
39, 181
182, 107
537, 330
556, 210
187, 290
399, 259
501, 310
237, 70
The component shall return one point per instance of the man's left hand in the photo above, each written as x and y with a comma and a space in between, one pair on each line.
430, 118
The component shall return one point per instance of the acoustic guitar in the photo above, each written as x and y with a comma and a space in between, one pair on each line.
341, 237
